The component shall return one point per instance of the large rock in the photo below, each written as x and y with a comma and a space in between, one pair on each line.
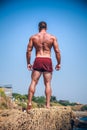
55, 118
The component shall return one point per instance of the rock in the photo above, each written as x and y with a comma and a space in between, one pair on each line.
80, 113
55, 118
80, 124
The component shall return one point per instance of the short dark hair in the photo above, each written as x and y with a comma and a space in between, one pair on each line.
42, 25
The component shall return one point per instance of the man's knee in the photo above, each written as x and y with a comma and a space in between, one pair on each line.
31, 90
47, 82
35, 81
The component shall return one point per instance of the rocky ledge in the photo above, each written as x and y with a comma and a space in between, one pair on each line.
77, 122
55, 118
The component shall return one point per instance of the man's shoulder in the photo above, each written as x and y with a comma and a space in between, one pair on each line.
52, 36
34, 36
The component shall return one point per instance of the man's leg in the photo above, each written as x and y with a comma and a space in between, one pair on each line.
35, 77
47, 81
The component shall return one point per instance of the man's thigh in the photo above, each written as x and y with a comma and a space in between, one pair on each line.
35, 75
47, 76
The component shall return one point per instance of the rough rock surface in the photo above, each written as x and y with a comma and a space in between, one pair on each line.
55, 118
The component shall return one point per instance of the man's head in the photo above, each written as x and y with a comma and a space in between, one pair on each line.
42, 25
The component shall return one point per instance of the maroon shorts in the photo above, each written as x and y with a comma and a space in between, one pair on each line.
43, 64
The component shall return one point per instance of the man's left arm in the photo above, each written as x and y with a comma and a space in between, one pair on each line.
58, 55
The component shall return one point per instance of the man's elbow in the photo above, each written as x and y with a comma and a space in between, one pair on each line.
57, 52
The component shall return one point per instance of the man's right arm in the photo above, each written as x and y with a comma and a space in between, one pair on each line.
57, 52
28, 53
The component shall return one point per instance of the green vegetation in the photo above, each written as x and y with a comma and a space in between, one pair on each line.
66, 103
19, 97
84, 108
53, 99
2, 93
4, 100
39, 101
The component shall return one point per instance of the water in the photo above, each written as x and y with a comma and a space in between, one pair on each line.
84, 119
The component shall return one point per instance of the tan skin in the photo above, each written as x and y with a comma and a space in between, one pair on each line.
42, 42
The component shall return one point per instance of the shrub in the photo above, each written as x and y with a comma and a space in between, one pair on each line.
84, 108
2, 93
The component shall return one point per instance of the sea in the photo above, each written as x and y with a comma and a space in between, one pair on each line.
84, 119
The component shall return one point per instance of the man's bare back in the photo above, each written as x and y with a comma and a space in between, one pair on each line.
43, 43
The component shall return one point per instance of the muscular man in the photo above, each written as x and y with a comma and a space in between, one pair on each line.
42, 42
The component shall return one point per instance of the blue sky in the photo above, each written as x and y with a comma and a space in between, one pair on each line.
67, 20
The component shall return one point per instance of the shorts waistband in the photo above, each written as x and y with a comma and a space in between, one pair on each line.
43, 58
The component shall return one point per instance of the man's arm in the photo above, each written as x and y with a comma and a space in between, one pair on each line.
28, 53
57, 52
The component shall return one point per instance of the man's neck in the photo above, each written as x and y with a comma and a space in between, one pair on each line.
43, 31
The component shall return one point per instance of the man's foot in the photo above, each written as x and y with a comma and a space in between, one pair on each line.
48, 107
29, 107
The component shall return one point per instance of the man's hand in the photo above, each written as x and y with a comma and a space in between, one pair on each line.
29, 66
58, 66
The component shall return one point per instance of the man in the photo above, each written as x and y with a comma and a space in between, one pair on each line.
42, 42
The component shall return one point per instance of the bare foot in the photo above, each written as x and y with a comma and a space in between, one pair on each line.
47, 106
29, 107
